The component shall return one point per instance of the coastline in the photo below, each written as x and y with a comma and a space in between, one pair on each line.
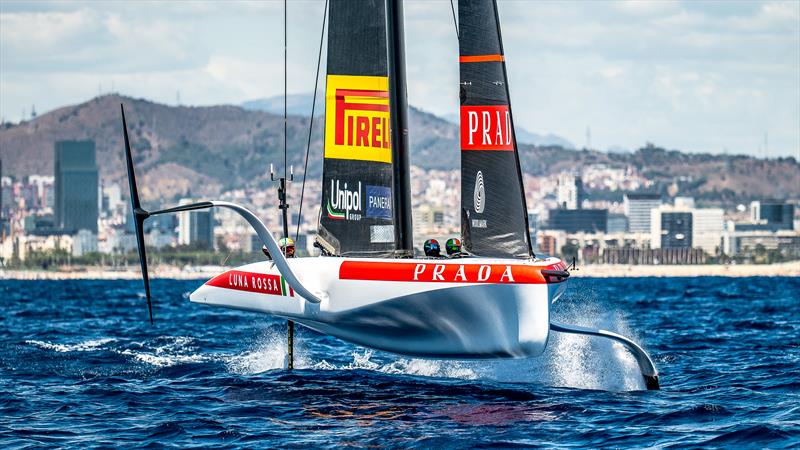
786, 269
160, 272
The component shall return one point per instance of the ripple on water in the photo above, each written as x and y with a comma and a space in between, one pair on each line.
79, 363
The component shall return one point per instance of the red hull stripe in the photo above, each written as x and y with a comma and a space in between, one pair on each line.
481, 58
251, 282
444, 273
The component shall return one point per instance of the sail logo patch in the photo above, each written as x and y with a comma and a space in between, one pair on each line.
379, 202
357, 118
479, 200
486, 128
344, 203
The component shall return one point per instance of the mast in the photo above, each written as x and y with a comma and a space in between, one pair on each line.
398, 114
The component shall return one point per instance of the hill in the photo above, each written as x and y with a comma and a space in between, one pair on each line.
200, 150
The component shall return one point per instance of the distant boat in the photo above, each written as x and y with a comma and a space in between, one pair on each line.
370, 287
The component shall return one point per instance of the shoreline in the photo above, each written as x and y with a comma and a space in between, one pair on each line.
786, 269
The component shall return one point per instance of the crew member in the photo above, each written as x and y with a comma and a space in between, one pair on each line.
287, 248
453, 247
432, 248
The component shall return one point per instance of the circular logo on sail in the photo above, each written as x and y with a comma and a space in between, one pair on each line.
480, 194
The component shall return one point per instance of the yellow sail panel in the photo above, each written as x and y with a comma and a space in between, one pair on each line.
357, 118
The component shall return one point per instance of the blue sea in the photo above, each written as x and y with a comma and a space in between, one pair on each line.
80, 366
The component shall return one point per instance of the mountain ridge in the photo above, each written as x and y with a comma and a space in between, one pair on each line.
203, 150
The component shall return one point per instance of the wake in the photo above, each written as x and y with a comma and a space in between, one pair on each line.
572, 361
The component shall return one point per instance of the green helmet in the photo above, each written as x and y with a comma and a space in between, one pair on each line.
453, 246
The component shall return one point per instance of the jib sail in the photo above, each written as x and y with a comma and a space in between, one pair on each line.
358, 196
494, 220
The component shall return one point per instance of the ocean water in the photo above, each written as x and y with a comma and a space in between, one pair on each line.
80, 366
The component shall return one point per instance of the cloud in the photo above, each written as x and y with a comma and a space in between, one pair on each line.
686, 74
93, 40
641, 8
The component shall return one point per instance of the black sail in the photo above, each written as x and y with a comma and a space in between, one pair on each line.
357, 217
494, 218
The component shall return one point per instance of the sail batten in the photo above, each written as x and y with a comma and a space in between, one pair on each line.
494, 213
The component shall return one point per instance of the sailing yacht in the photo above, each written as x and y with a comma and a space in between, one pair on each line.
369, 286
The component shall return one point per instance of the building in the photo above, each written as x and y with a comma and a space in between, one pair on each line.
42, 187
701, 229
708, 225
117, 241
670, 228
196, 228
112, 199
684, 202
39, 225
616, 223
76, 202
20, 247
570, 191
533, 227
428, 220
749, 243
637, 208
577, 220
547, 244
774, 214
156, 238
84, 242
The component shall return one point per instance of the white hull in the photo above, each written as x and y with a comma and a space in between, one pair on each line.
470, 308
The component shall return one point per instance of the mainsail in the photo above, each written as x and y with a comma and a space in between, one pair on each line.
358, 214
494, 220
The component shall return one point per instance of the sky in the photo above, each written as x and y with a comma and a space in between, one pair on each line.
698, 76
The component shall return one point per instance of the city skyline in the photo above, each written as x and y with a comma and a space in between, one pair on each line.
701, 77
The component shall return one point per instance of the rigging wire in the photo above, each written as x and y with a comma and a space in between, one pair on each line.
455, 22
311, 124
285, 96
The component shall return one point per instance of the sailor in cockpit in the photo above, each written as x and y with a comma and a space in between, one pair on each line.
287, 248
453, 247
432, 249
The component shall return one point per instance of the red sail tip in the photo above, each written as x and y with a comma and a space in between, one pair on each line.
481, 58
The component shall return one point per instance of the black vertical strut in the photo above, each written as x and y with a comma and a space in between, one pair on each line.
398, 114
139, 214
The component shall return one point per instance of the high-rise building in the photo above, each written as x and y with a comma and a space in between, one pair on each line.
196, 228
671, 228
708, 225
637, 208
578, 220
570, 191
76, 186
776, 215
